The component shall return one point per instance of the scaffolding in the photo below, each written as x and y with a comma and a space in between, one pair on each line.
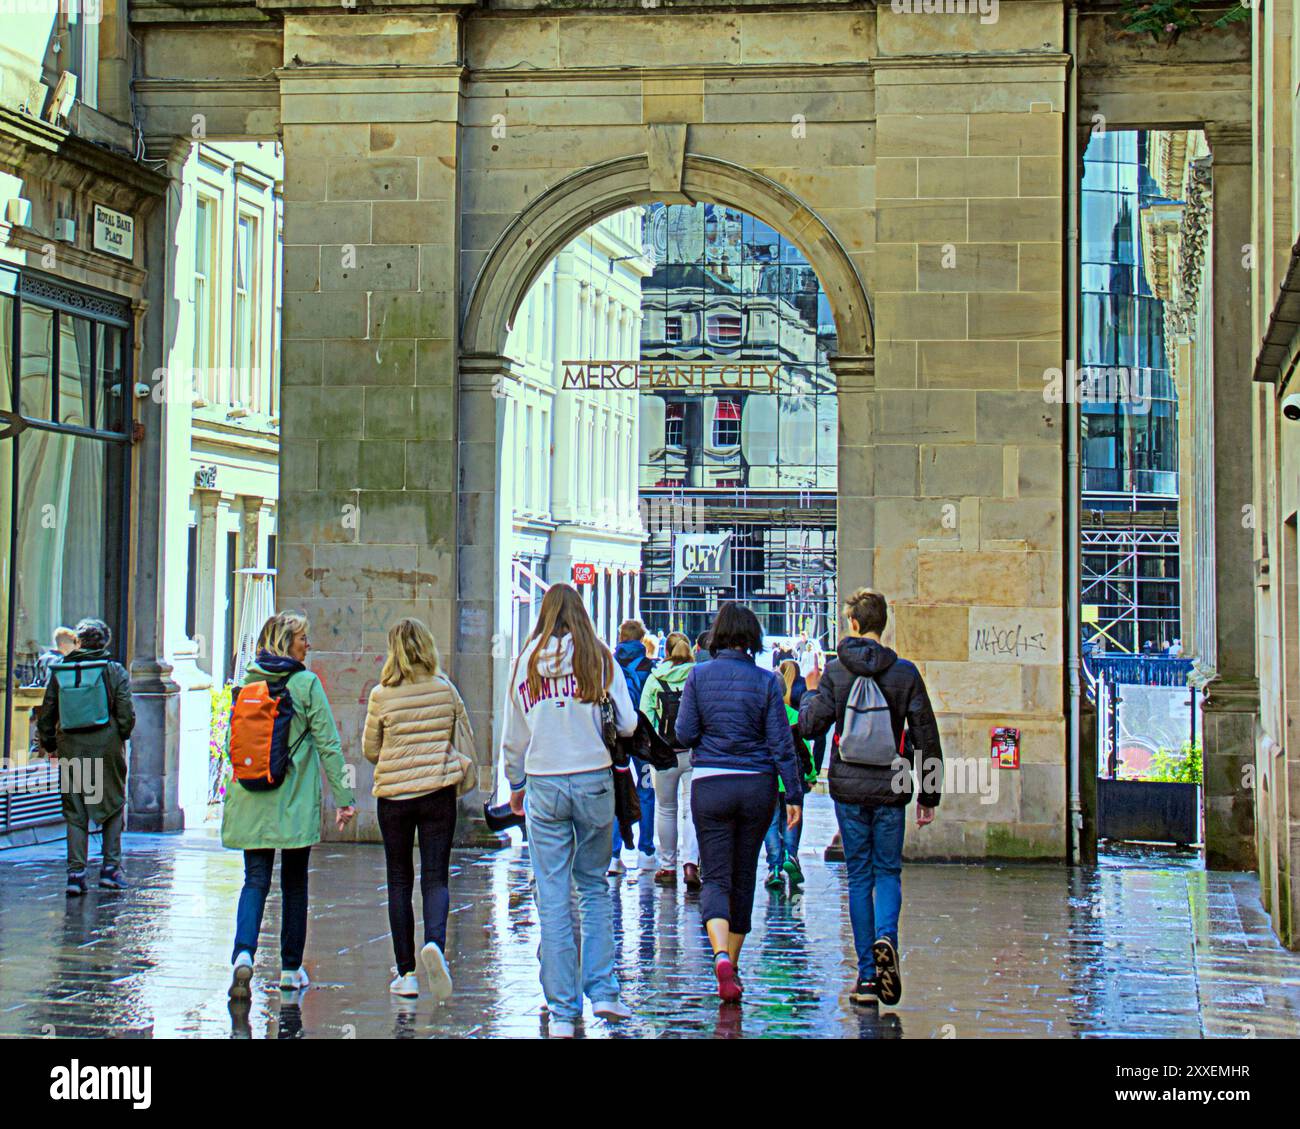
1130, 577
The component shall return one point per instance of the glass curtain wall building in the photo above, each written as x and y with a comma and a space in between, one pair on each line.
750, 472
1129, 411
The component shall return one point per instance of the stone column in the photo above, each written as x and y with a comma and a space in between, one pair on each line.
483, 566
368, 516
205, 584
152, 798
1231, 700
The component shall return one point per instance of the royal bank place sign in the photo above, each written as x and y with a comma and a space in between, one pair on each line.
671, 376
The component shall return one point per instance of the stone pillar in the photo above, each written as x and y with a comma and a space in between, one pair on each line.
250, 531
368, 515
1231, 701
483, 621
152, 798
206, 566
965, 456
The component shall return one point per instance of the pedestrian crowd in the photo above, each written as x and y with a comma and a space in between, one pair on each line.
694, 745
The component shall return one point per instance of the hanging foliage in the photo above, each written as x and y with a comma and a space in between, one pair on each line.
1166, 20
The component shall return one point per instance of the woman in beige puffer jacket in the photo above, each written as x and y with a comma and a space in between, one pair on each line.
419, 740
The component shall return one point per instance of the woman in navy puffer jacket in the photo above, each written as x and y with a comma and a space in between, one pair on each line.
732, 716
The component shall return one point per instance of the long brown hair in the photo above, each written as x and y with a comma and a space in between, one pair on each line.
563, 613
677, 649
789, 672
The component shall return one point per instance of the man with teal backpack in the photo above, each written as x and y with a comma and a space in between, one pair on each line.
85, 720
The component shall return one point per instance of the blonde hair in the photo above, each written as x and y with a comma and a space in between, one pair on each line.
563, 613
62, 634
789, 672
278, 632
411, 649
651, 645
678, 649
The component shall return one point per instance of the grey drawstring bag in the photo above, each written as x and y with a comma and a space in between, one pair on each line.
868, 736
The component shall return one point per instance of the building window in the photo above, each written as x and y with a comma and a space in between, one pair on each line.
64, 351
673, 329
726, 423
232, 596
675, 425
192, 582
724, 329
247, 351
205, 256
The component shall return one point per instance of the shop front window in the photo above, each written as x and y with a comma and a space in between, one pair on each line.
63, 482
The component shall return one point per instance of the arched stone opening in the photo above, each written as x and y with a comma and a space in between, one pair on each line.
490, 304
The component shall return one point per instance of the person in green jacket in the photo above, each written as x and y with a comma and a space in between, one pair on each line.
671, 676
287, 818
92, 776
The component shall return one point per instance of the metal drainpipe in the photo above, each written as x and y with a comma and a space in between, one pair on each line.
1073, 569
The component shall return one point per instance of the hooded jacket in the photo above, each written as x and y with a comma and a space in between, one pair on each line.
909, 710
290, 816
636, 665
666, 676
555, 734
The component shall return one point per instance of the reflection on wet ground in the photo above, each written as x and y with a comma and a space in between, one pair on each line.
1145, 945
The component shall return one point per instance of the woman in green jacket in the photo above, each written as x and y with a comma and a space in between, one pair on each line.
670, 677
287, 817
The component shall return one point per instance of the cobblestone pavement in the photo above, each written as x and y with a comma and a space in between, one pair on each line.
1136, 947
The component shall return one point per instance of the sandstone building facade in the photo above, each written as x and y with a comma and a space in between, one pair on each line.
437, 157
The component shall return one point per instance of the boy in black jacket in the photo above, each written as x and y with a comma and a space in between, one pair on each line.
871, 803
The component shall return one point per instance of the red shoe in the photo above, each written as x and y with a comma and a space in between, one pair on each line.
729, 988
665, 878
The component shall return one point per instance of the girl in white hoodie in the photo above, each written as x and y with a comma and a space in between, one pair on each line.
556, 761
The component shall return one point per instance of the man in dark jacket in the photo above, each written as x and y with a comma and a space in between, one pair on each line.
870, 802
92, 774
634, 662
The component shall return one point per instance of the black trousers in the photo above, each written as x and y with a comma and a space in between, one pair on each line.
731, 815
434, 817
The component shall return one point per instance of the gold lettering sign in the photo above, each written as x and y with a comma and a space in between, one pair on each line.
671, 376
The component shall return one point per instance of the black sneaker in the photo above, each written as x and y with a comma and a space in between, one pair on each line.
889, 981
864, 991
76, 883
112, 878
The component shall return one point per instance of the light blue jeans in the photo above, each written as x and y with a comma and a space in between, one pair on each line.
873, 853
569, 827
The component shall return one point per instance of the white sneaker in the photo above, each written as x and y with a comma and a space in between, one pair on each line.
241, 977
649, 861
435, 968
612, 1009
616, 867
295, 980
406, 986
560, 1029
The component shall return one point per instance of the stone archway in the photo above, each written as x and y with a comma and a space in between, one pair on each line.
588, 196
519, 254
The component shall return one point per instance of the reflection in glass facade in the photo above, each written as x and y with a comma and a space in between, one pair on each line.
1129, 445
1126, 448
63, 488
727, 287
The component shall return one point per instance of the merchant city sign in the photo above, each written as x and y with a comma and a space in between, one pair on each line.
672, 376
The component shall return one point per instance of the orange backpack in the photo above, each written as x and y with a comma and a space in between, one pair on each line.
260, 716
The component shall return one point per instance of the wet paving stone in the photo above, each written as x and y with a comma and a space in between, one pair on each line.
1141, 946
